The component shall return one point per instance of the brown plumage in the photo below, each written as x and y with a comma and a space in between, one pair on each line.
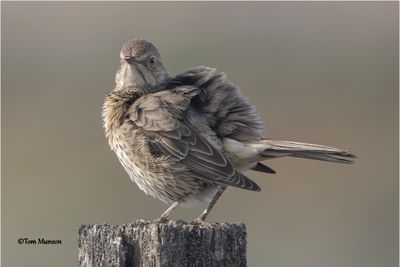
184, 139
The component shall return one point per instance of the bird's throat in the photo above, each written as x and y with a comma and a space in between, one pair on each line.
129, 75
133, 75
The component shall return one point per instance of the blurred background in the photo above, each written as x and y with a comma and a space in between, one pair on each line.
321, 72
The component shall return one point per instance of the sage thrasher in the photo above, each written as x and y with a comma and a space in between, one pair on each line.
185, 138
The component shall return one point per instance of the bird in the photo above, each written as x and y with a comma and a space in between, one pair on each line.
185, 138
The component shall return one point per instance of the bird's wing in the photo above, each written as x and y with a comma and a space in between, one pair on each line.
161, 116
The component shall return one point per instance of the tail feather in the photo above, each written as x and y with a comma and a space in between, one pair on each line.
276, 148
259, 167
323, 157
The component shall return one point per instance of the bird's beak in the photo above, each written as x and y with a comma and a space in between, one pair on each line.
129, 59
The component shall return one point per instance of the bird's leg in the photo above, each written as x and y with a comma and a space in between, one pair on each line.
217, 195
166, 213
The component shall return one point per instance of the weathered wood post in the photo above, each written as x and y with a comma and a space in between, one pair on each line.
156, 244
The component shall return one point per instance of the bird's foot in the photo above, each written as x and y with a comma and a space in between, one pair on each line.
162, 219
200, 221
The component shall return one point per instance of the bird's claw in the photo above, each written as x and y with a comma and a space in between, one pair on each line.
201, 221
161, 220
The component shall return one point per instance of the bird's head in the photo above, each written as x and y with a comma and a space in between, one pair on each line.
141, 65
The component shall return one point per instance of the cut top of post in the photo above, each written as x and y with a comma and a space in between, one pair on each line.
156, 244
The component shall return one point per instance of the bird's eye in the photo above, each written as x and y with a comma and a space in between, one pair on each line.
153, 61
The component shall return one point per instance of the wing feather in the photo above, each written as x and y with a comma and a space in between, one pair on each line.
161, 116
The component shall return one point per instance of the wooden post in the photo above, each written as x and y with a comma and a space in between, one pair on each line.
156, 244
